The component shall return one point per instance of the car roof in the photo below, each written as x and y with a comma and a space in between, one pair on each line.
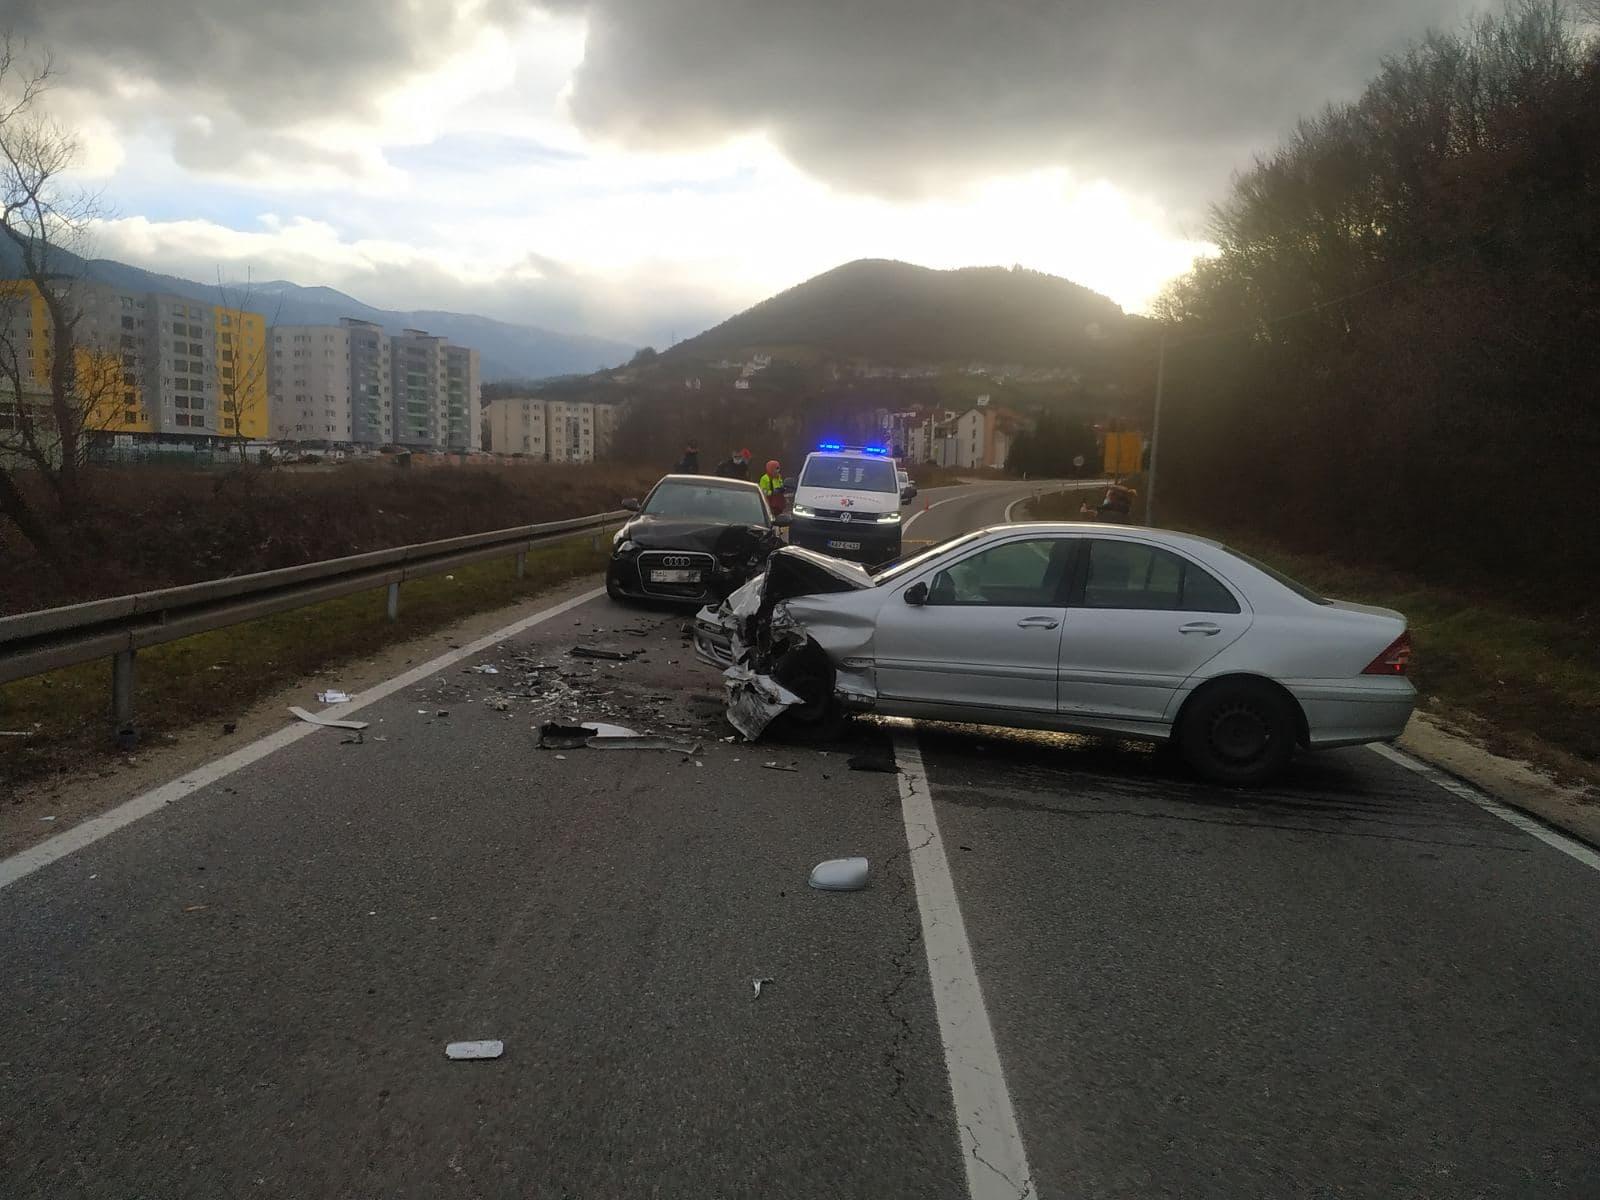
1100, 528
722, 481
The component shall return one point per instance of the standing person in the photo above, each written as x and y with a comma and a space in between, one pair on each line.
744, 463
689, 464
772, 485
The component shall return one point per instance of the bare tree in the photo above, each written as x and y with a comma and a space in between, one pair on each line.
54, 388
242, 358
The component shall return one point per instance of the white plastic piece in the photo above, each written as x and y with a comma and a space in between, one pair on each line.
333, 697
602, 729
840, 875
475, 1050
758, 983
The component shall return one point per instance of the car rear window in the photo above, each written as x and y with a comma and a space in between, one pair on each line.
846, 473
1294, 585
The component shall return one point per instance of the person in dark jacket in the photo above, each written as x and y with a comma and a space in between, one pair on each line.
737, 465
689, 464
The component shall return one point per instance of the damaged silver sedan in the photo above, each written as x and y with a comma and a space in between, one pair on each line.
1139, 633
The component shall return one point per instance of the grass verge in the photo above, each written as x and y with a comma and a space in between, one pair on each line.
1525, 685
215, 676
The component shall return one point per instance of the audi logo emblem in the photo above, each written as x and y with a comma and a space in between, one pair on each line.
676, 560
845, 516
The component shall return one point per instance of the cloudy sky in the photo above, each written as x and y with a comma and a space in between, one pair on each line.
638, 168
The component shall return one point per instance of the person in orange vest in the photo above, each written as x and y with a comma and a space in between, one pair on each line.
772, 484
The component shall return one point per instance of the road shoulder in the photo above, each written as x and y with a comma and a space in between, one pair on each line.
1573, 810
43, 808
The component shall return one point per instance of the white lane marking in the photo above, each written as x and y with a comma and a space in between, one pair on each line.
986, 1124
1560, 841
911, 520
28, 861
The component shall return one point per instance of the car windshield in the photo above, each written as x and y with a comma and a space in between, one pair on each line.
893, 570
1294, 585
707, 502
847, 472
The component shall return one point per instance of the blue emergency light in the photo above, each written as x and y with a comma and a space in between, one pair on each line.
862, 449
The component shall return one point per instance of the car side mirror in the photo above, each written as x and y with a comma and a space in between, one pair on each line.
917, 594
630, 505
782, 520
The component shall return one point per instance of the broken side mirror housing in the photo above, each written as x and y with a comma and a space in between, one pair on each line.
782, 520
917, 593
630, 505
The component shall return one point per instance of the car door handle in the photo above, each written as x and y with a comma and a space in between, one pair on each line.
1037, 623
1206, 627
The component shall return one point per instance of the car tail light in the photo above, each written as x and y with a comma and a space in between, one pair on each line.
1394, 660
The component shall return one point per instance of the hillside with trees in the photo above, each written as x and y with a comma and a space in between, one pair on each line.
887, 312
1395, 355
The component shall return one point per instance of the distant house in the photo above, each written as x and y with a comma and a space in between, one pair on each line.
984, 434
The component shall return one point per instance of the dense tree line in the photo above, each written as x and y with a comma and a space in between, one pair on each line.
1396, 351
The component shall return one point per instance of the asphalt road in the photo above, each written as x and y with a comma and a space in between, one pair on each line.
1355, 984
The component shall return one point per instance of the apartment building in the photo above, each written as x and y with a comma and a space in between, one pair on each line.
557, 431
352, 383
330, 383
517, 427
437, 392
152, 367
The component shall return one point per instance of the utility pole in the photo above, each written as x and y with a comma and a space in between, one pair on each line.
1155, 433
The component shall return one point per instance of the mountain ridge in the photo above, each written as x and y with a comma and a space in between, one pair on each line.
894, 312
506, 350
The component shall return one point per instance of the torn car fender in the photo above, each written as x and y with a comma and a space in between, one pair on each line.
844, 634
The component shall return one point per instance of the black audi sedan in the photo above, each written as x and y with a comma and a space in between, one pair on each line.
695, 539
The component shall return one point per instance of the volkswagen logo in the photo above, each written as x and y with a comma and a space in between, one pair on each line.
675, 560
844, 516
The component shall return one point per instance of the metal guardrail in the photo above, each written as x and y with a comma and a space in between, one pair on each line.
119, 627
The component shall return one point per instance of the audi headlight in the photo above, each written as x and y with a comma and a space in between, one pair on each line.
889, 518
800, 510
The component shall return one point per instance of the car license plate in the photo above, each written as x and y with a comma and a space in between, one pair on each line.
833, 545
674, 576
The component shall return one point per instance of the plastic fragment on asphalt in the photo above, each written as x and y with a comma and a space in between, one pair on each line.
326, 722
602, 729
333, 697
197, 908
874, 762
484, 669
840, 875
777, 766
607, 655
555, 736
758, 983
638, 743
754, 700
473, 1051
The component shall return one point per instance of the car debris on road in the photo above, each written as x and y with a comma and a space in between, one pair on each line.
604, 655
840, 875
474, 1051
332, 696
758, 984
311, 718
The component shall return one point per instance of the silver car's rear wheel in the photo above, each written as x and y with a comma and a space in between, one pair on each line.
1239, 732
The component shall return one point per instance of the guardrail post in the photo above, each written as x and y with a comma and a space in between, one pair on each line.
392, 608
122, 672
522, 564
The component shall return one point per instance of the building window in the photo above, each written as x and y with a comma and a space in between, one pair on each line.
181, 419
227, 422
127, 322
